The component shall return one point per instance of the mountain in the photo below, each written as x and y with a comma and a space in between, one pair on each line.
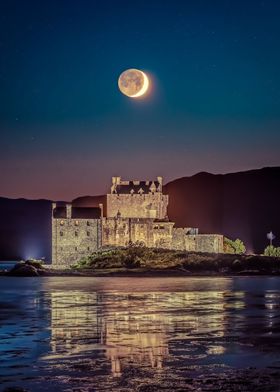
243, 205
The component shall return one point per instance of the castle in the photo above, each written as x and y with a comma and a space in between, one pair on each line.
135, 212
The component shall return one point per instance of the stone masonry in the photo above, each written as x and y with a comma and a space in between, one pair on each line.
75, 233
136, 213
137, 199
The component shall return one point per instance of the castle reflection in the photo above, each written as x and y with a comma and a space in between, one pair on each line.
136, 328
109, 333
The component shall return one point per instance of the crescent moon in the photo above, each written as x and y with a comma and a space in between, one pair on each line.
144, 87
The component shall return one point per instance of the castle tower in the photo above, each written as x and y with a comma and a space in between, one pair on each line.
137, 199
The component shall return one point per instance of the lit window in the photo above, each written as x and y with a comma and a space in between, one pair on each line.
61, 223
76, 234
76, 223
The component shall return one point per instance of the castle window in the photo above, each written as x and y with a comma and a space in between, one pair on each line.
76, 248
61, 223
76, 223
88, 233
161, 227
88, 248
76, 234
156, 227
88, 223
61, 234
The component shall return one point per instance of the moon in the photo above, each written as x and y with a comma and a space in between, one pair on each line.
133, 83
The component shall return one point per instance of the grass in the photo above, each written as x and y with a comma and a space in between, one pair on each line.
153, 259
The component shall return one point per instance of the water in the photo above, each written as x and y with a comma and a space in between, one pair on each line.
7, 265
140, 334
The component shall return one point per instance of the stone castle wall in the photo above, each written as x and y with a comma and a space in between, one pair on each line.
122, 231
212, 243
136, 213
183, 240
149, 205
74, 238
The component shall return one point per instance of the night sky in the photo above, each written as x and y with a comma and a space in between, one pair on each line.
66, 129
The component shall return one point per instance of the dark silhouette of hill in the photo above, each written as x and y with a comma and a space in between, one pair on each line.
243, 205
90, 201
25, 229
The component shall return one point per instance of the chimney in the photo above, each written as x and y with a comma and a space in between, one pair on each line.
101, 209
160, 183
68, 211
53, 207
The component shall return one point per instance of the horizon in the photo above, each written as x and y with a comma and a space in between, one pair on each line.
139, 179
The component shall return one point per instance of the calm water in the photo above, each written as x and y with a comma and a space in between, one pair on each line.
138, 334
7, 265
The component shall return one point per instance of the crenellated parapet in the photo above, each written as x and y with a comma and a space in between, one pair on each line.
137, 199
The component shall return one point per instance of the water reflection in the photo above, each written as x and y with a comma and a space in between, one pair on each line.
133, 327
105, 329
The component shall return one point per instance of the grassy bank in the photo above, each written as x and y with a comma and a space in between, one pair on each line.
142, 261
137, 259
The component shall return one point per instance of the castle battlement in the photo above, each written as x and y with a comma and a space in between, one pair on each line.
137, 199
134, 187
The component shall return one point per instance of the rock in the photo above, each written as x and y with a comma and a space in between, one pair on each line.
23, 270
35, 263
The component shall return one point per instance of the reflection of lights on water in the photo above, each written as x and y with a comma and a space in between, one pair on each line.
271, 304
116, 322
216, 350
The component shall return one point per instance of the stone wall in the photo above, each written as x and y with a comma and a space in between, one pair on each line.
116, 232
151, 205
178, 238
74, 238
135, 212
212, 243
122, 231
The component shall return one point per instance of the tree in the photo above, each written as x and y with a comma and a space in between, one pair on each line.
271, 250
234, 247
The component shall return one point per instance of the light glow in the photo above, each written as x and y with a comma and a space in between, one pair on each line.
144, 87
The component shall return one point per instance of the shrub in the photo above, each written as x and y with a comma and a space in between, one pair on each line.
132, 262
271, 250
234, 247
